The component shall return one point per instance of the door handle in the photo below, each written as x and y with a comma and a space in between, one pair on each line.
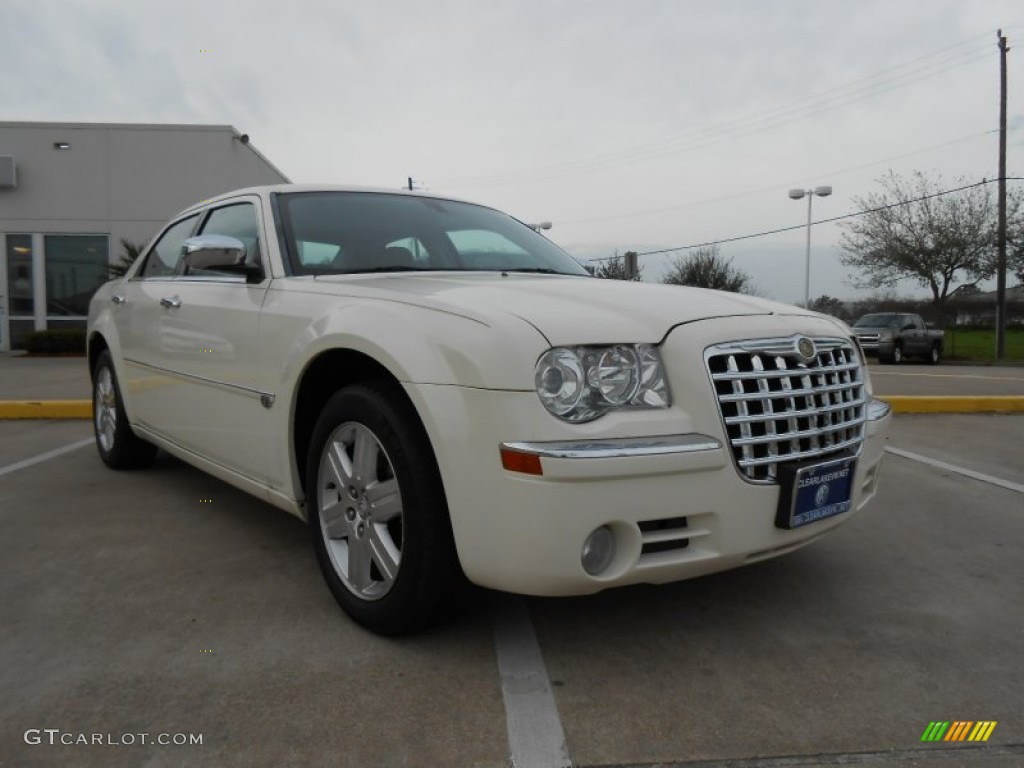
172, 303
117, 298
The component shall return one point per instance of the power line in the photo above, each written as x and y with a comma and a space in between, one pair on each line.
776, 187
734, 128
767, 232
745, 125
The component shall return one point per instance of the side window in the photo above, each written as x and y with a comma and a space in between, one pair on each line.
237, 221
163, 257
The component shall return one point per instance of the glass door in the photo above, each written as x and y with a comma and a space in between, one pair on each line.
17, 316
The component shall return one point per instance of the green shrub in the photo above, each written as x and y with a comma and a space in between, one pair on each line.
56, 341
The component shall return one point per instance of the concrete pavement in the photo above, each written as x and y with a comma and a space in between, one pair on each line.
166, 601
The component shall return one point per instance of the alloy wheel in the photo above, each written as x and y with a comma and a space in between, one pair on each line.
105, 410
361, 518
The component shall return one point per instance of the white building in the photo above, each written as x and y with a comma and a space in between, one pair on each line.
70, 192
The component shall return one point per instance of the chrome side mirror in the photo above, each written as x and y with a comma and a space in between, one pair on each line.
221, 253
213, 252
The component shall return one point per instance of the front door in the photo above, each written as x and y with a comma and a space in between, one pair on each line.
201, 353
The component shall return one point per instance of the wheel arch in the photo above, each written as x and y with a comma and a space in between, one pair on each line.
95, 346
324, 375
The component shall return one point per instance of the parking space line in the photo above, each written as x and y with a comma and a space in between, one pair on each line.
958, 470
44, 456
535, 735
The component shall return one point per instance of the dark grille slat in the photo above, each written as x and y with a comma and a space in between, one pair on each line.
807, 388
778, 408
793, 412
826, 430
775, 374
767, 460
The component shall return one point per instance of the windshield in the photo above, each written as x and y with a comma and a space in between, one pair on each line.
330, 233
878, 321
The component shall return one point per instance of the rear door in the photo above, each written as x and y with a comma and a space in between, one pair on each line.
915, 336
146, 382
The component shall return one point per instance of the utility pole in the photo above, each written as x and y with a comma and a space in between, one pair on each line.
630, 263
410, 183
1001, 225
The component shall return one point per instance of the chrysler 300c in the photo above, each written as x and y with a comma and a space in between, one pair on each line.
443, 394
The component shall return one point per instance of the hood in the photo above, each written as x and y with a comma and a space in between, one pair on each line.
566, 309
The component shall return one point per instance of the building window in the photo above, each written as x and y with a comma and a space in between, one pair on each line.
19, 275
20, 294
76, 265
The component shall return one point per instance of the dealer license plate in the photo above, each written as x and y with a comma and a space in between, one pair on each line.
815, 492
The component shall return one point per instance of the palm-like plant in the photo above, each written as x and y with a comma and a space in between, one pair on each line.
129, 253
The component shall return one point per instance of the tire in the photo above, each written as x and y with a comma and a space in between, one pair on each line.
377, 512
117, 444
897, 354
935, 355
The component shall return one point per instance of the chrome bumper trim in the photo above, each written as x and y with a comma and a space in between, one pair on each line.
617, 447
878, 409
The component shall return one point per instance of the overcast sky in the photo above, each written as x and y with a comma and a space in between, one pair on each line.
636, 125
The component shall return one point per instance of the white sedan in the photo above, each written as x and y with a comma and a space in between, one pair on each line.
446, 395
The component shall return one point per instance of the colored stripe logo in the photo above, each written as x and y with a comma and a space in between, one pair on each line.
959, 730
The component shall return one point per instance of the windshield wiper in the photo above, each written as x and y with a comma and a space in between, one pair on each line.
392, 268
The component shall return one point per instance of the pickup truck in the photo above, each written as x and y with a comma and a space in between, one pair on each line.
894, 336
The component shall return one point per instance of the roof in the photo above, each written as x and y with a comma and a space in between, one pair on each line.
126, 126
196, 127
267, 189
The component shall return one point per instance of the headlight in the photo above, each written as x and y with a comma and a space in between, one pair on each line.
581, 383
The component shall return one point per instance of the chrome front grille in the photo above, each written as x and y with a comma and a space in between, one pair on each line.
779, 405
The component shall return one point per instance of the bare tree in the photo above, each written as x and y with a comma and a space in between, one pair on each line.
938, 242
705, 267
1015, 233
615, 269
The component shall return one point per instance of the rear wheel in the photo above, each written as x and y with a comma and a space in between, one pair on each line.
377, 512
935, 355
117, 444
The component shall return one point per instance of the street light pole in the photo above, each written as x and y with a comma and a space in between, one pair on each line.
796, 194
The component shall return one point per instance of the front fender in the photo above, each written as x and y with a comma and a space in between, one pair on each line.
420, 345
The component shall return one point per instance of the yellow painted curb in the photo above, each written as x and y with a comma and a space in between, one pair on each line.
955, 403
82, 409
45, 409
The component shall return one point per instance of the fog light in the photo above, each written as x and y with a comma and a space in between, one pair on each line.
598, 550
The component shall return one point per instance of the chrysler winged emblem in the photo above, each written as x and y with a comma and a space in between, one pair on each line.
805, 349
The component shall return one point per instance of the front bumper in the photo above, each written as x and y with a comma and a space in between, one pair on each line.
675, 502
873, 346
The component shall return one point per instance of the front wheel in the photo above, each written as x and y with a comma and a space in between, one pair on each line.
377, 512
117, 444
935, 355
897, 354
